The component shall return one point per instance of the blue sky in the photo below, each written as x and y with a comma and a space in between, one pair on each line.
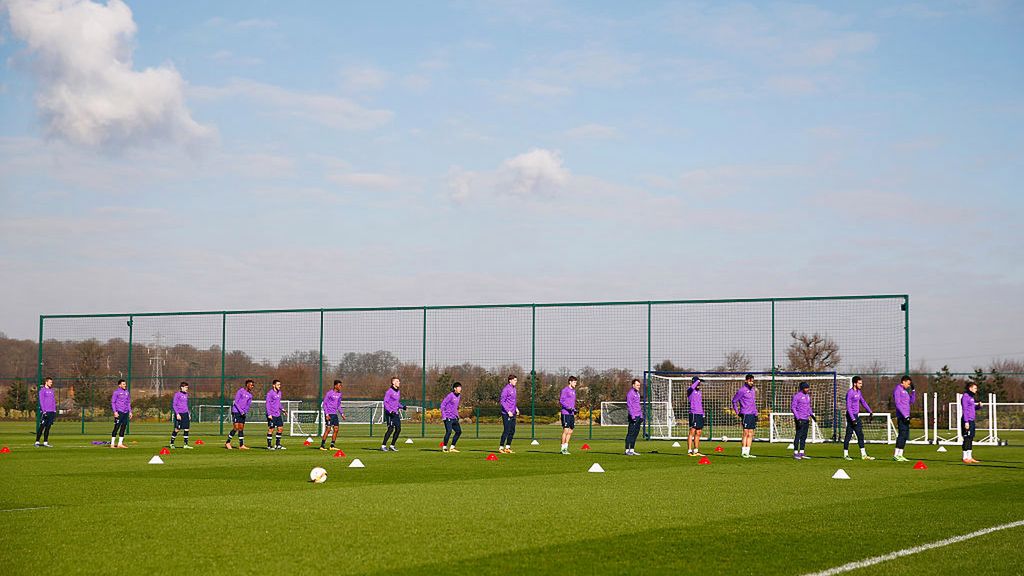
196, 155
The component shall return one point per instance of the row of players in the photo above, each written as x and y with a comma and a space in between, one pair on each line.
744, 404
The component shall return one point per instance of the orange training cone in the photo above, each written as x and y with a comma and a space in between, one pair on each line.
339, 454
5, 450
718, 448
704, 460
164, 451
585, 447
200, 443
920, 466
492, 457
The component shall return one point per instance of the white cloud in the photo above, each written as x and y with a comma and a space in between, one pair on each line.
89, 92
364, 78
326, 109
538, 173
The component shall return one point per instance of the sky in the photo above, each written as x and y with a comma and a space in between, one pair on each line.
161, 156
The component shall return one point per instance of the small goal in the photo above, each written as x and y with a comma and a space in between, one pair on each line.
782, 428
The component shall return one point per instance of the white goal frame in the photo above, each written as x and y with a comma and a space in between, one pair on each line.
782, 428
645, 407
287, 406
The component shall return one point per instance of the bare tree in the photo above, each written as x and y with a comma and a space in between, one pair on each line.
812, 353
735, 361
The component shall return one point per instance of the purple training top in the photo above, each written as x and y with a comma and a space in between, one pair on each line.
508, 399
450, 406
801, 406
121, 401
744, 402
243, 399
568, 401
332, 402
273, 402
696, 400
903, 399
180, 402
633, 403
392, 400
968, 403
47, 401
854, 400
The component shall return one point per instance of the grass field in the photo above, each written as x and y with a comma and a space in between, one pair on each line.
78, 508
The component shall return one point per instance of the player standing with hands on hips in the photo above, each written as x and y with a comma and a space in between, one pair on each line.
854, 400
968, 407
392, 405
47, 413
509, 411
744, 402
450, 415
239, 410
802, 414
903, 399
636, 416
182, 418
567, 400
274, 419
121, 405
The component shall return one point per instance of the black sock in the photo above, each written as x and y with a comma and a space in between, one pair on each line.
278, 438
241, 439
46, 434
174, 435
269, 438
186, 437
231, 435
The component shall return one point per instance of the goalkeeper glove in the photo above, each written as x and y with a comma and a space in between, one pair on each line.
402, 406
912, 388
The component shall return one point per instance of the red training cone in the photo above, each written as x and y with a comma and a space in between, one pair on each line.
718, 449
585, 447
5, 450
339, 454
200, 443
492, 457
704, 460
440, 444
920, 466
307, 442
164, 451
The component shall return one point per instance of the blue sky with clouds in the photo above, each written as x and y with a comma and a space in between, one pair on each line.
194, 155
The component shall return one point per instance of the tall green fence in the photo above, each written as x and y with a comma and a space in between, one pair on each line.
606, 344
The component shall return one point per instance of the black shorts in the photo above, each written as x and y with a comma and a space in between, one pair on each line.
185, 422
750, 421
697, 421
122, 419
569, 421
275, 422
238, 418
47, 418
332, 420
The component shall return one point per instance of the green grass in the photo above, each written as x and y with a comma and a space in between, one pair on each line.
421, 511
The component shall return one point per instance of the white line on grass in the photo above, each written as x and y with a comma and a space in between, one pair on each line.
908, 551
24, 509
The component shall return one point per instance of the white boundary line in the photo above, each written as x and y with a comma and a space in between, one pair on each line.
908, 551
25, 509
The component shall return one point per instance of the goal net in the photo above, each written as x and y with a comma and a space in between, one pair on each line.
257, 411
877, 429
782, 428
987, 423
1010, 417
617, 414
305, 423
363, 412
774, 394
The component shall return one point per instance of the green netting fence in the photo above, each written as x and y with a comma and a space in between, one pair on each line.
605, 344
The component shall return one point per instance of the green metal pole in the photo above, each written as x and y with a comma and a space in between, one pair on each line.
647, 431
477, 422
223, 356
773, 355
533, 374
906, 334
423, 397
83, 419
39, 371
320, 381
131, 335
590, 433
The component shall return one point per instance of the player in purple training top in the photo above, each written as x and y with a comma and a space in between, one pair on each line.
568, 412
854, 400
47, 413
331, 407
181, 417
968, 408
695, 398
239, 410
392, 416
121, 406
509, 412
803, 413
744, 402
903, 396
275, 421
450, 416
635, 414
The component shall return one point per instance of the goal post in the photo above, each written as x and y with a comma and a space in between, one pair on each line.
782, 428
306, 423
617, 413
775, 392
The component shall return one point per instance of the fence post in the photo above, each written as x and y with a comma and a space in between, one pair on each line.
39, 371
906, 334
131, 334
477, 422
773, 356
533, 373
423, 370
223, 356
590, 434
320, 382
83, 419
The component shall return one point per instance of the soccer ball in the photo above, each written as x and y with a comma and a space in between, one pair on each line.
318, 475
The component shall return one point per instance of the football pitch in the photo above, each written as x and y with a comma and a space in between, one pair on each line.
80, 508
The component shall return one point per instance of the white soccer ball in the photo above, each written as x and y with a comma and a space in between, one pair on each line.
318, 475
